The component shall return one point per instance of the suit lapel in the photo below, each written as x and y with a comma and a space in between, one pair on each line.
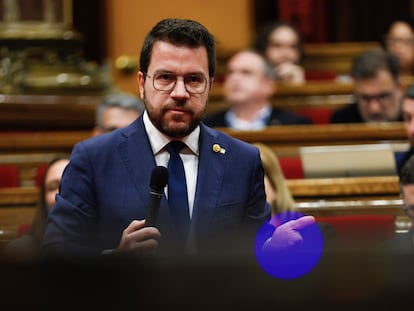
210, 176
137, 156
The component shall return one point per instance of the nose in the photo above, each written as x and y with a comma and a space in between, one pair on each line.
179, 90
374, 106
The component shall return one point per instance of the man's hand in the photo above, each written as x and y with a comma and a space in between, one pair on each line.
289, 72
139, 239
287, 235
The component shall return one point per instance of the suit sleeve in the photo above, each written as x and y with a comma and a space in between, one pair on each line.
73, 221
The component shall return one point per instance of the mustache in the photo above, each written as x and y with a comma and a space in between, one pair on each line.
178, 104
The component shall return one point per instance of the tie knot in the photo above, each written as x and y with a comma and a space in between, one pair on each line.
175, 146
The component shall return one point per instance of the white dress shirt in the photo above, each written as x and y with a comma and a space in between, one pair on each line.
189, 155
258, 123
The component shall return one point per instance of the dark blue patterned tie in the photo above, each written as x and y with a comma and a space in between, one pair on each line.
177, 188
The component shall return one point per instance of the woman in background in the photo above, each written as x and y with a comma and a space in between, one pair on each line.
399, 40
27, 247
281, 44
277, 192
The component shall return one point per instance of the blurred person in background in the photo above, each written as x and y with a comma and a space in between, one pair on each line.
248, 89
281, 44
399, 40
377, 90
27, 247
116, 111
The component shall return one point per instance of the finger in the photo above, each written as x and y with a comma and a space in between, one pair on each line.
146, 245
302, 222
134, 226
143, 234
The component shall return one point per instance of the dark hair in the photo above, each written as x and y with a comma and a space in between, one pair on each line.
407, 172
120, 100
404, 19
262, 39
180, 32
369, 63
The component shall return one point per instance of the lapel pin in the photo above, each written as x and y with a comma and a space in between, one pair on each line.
217, 148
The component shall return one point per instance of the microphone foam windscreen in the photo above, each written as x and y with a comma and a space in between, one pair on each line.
159, 177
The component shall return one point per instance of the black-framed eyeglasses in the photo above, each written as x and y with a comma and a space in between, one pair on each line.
194, 83
396, 40
382, 98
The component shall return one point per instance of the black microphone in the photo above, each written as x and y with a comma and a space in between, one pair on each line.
159, 179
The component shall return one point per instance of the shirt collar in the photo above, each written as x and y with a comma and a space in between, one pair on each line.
259, 122
158, 140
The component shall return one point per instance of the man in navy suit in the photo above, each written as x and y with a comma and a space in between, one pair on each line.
104, 194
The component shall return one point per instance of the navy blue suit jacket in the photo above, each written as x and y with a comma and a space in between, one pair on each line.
106, 186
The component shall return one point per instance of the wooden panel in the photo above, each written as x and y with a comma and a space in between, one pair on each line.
47, 112
354, 207
293, 135
30, 149
285, 140
349, 186
335, 57
50, 141
21, 196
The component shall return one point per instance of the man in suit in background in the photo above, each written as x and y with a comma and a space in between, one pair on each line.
377, 90
115, 111
104, 194
408, 115
248, 88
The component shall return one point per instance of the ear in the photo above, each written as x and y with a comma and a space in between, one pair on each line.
141, 81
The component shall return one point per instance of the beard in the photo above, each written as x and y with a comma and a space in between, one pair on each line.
175, 126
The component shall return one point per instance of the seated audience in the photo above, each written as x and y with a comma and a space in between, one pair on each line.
408, 115
281, 44
27, 247
248, 88
399, 40
377, 90
115, 111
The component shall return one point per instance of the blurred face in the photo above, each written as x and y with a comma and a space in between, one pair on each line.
408, 114
176, 112
400, 42
116, 117
378, 98
245, 81
283, 46
408, 192
52, 181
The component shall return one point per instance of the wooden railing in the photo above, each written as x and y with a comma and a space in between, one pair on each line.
28, 150
318, 197
286, 140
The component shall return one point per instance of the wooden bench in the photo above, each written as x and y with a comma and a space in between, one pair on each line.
318, 197
285, 140
28, 150
47, 112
